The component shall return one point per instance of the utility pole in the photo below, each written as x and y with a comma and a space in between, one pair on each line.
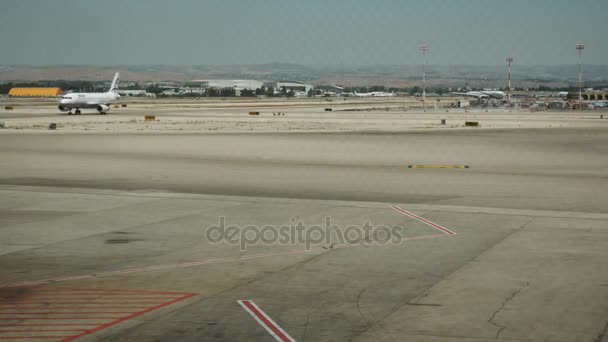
580, 48
424, 48
509, 60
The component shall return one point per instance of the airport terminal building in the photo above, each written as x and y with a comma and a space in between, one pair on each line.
221, 84
239, 85
296, 87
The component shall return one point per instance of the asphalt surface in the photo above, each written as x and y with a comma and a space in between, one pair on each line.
94, 216
554, 170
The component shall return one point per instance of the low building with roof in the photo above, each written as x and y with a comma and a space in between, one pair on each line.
35, 92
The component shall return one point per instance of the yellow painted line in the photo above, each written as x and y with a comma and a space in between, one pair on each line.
438, 166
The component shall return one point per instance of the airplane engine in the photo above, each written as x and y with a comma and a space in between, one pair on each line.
103, 108
63, 109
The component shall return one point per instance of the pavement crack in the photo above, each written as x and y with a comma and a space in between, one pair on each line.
359, 307
369, 322
600, 336
492, 319
409, 300
312, 309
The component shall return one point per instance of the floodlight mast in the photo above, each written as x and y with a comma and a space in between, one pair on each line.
424, 48
580, 48
509, 60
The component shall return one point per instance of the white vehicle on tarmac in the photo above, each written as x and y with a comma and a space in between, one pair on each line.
100, 101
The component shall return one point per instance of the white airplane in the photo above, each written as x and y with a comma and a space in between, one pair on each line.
484, 94
99, 101
375, 94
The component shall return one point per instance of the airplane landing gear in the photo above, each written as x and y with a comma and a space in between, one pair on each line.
78, 112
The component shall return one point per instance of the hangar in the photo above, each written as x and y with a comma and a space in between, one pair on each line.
35, 92
293, 86
220, 84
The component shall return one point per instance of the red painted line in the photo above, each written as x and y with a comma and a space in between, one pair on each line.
157, 268
423, 237
425, 221
50, 318
96, 302
43, 330
103, 319
47, 325
83, 292
100, 293
29, 337
50, 296
106, 290
44, 306
88, 297
266, 322
66, 313
104, 326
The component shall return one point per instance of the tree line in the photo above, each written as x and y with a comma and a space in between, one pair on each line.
88, 86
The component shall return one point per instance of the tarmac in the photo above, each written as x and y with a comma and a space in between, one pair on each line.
105, 235
280, 115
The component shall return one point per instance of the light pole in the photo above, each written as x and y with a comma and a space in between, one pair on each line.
509, 60
424, 48
580, 48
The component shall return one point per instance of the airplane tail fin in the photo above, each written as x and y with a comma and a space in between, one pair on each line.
114, 86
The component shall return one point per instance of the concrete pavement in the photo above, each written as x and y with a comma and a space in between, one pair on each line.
120, 212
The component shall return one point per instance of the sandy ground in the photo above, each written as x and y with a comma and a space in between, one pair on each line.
105, 218
281, 116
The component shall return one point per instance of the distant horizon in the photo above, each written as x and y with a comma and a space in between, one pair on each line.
513, 65
399, 76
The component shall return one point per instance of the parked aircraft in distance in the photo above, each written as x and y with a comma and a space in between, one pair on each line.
483, 94
375, 94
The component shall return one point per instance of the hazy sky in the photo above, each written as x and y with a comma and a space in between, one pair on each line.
310, 32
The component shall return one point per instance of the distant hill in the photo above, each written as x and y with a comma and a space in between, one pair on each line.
387, 75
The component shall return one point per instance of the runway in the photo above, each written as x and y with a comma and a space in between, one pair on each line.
554, 170
288, 116
119, 212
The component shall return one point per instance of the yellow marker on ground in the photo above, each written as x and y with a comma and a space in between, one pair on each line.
438, 166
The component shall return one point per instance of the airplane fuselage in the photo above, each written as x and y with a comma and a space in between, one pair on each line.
99, 101
87, 100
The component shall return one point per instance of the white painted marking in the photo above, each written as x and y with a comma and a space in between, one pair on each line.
425, 221
265, 321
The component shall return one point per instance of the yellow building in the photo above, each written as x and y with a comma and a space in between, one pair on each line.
35, 92
595, 96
